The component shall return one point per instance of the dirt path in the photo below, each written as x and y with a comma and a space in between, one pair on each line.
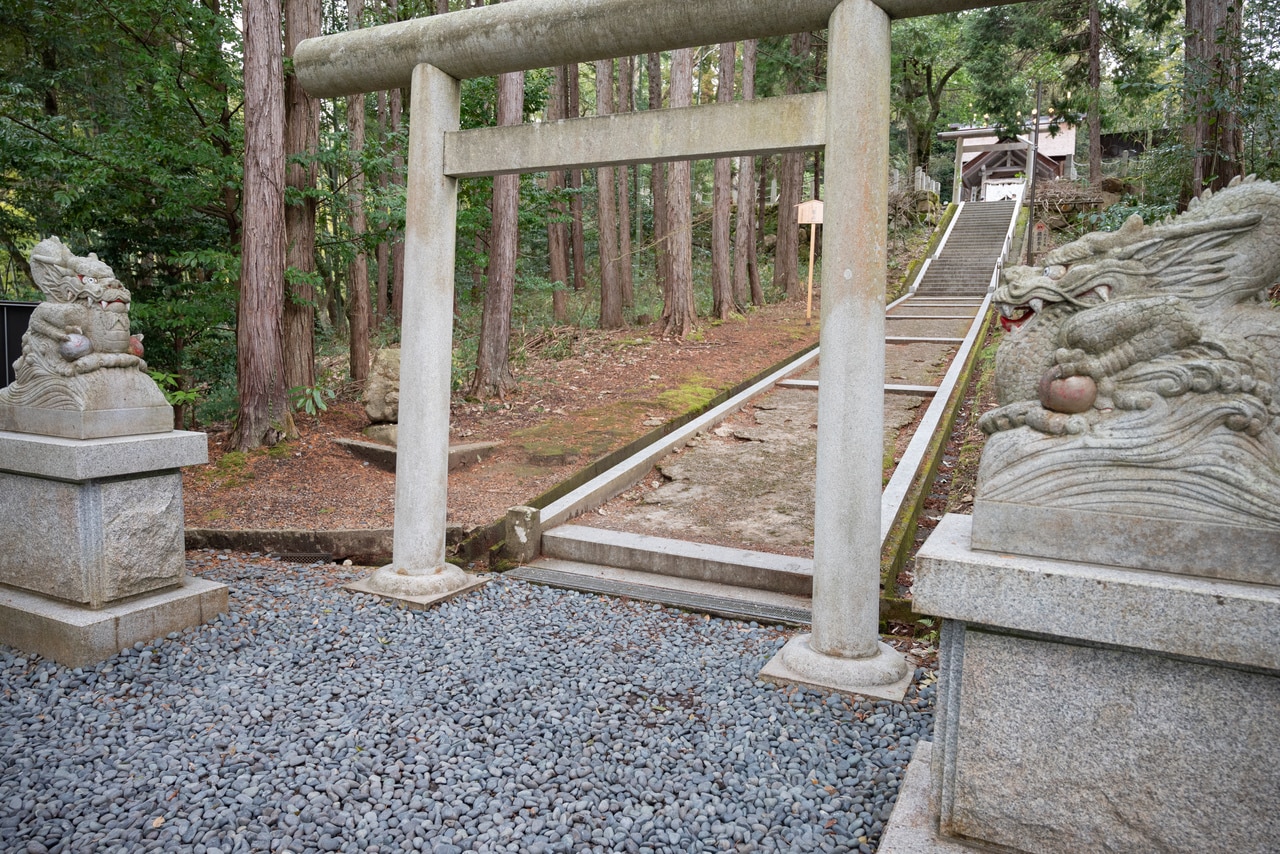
605, 389
749, 483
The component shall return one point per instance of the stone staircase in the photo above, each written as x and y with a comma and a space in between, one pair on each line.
969, 256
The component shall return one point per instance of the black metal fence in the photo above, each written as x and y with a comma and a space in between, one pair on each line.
14, 317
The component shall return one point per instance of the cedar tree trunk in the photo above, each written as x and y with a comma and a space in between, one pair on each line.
302, 139
721, 207
678, 313
264, 416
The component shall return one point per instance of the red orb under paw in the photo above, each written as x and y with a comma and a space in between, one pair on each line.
1069, 395
135, 346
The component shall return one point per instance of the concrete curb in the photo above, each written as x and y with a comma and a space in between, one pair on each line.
371, 547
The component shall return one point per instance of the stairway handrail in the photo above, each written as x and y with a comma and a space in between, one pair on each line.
1008, 240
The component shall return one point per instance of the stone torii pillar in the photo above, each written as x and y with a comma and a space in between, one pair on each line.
418, 569
844, 651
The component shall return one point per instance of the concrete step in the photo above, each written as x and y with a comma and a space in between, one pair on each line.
973, 289
680, 559
708, 597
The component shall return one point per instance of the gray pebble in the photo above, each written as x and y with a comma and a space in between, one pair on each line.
518, 718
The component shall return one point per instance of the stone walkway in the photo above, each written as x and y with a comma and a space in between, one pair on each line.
749, 483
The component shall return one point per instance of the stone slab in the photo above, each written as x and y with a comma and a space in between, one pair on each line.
92, 542
1169, 545
681, 558
80, 637
88, 424
419, 603
727, 600
1050, 746
1173, 614
89, 459
913, 825
778, 672
383, 455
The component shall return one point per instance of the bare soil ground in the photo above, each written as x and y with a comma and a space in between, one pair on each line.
606, 389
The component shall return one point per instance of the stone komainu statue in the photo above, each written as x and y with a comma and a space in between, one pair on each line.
78, 354
1140, 373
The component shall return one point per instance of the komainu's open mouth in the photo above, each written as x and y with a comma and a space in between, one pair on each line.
1013, 316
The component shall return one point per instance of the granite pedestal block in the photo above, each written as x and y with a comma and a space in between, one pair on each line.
91, 543
1091, 708
1185, 546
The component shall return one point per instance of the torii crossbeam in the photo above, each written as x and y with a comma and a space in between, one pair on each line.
850, 120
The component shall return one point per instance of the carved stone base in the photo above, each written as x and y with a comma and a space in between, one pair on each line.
91, 424
97, 405
81, 637
884, 676
418, 589
1182, 546
97, 521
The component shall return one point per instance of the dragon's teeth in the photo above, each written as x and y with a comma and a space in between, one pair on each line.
1036, 304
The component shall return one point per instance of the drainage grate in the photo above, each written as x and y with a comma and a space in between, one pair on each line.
305, 557
720, 606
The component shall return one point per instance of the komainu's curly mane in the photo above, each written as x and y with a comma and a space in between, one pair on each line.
1139, 373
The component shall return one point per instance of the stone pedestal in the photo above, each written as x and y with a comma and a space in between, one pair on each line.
1095, 708
92, 558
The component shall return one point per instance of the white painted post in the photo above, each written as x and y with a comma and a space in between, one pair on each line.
844, 651
957, 185
418, 567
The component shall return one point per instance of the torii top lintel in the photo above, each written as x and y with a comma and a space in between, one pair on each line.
531, 34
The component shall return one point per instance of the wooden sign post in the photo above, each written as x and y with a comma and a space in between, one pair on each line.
810, 212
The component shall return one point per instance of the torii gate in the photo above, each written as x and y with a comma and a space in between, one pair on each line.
850, 120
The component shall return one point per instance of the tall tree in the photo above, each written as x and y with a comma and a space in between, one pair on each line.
577, 239
358, 313
679, 316
626, 281
721, 208
658, 188
264, 416
607, 214
744, 230
1093, 115
302, 139
395, 117
1214, 84
927, 58
786, 258
395, 110
382, 254
557, 225
493, 377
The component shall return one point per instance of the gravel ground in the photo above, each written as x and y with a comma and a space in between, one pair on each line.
517, 718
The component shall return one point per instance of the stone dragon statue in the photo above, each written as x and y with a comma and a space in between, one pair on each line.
80, 328
1141, 368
